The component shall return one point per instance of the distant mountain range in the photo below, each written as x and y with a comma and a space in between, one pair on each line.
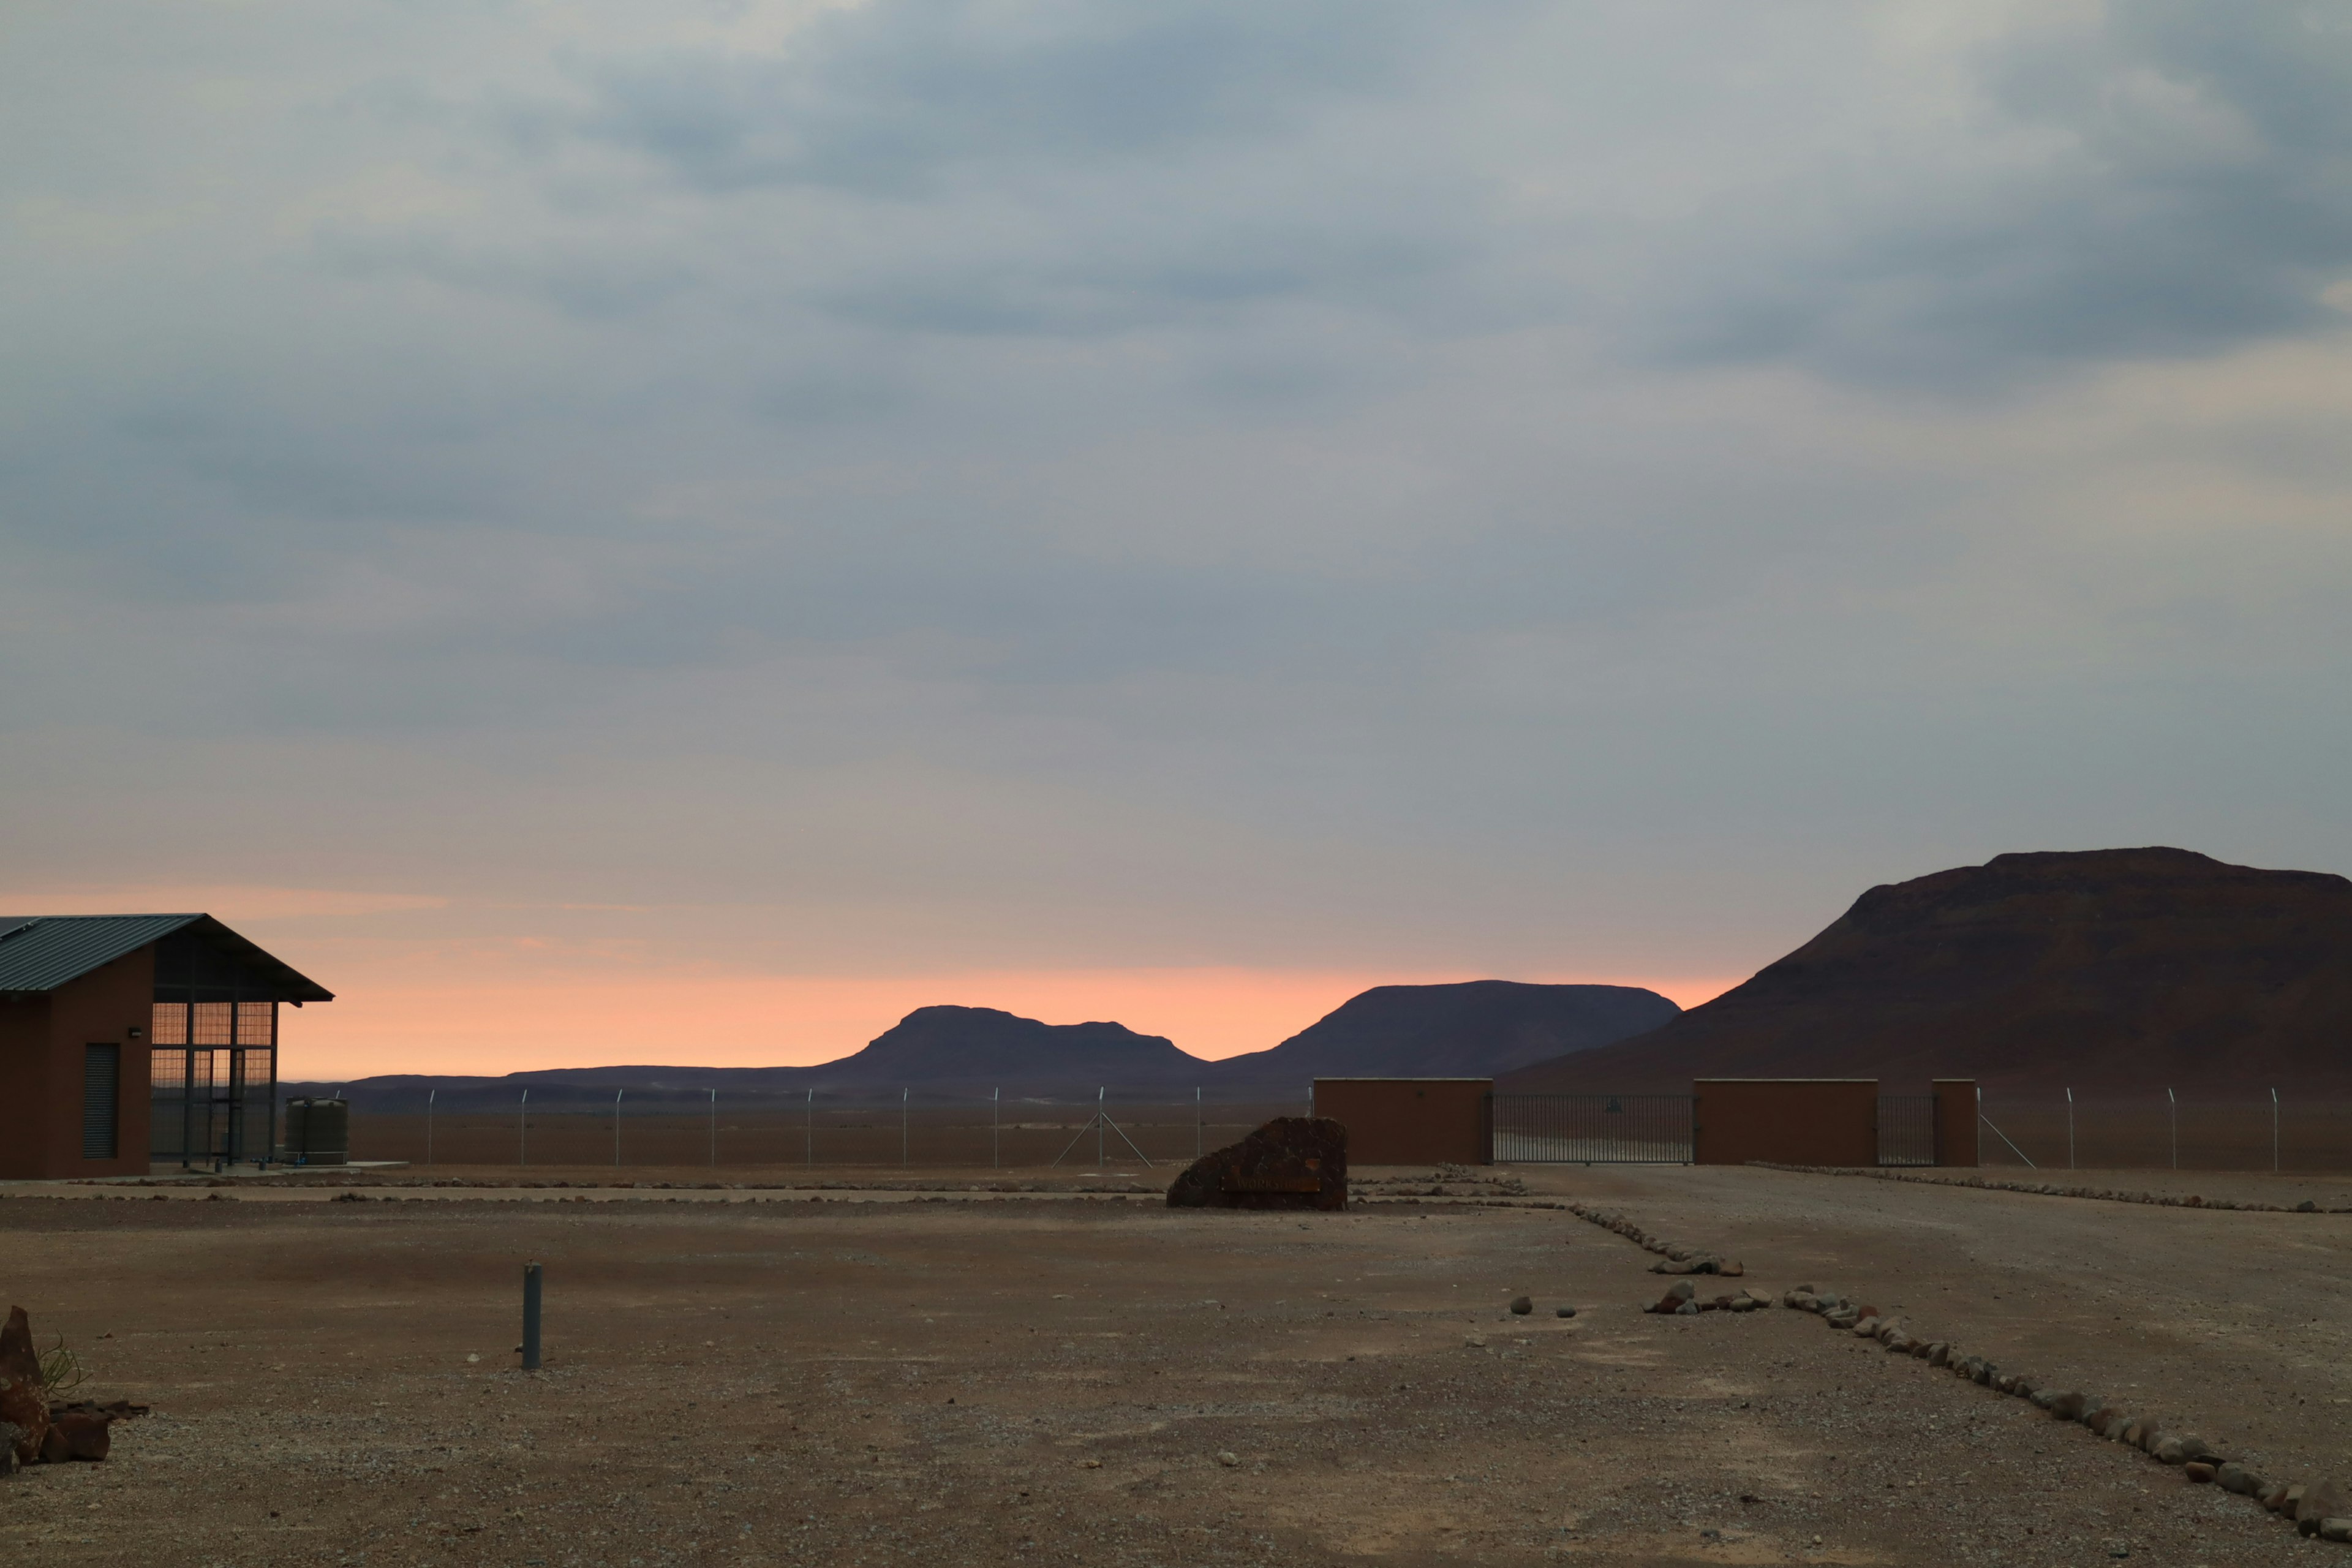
2145, 968
1476, 1028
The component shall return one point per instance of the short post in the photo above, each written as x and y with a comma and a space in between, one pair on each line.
2275, 1138
433, 1094
2173, 1101
1099, 1131
530, 1316
522, 1134
995, 1126
902, 1126
2070, 1129
808, 1129
616, 1127
1196, 1122
714, 1129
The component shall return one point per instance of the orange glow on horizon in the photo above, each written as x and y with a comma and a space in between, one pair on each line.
492, 1025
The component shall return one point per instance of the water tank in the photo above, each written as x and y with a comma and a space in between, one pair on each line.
318, 1132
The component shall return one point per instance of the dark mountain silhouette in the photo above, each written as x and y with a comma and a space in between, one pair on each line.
1476, 1028
2113, 967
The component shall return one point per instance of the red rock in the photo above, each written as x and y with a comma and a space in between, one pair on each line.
76, 1435
1291, 1163
22, 1405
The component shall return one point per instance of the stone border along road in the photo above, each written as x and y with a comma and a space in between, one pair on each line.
2050, 1189
2322, 1509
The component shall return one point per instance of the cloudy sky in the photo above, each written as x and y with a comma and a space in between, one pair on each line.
618, 530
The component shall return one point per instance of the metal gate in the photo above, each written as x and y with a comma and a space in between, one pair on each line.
1591, 1129
1906, 1129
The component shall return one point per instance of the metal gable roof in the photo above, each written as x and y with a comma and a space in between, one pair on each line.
41, 953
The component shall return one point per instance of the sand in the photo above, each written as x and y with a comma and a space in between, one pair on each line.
952, 1376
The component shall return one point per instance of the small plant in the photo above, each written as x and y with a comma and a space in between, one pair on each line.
61, 1369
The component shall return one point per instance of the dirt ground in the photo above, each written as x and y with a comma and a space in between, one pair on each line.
945, 1374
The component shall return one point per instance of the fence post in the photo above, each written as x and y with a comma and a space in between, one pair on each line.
808, 1129
902, 1126
1098, 1137
2275, 1138
1196, 1122
433, 1094
2173, 1101
616, 1128
530, 1316
996, 1109
522, 1145
2070, 1129
714, 1130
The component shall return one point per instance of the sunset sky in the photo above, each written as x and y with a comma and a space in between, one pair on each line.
615, 531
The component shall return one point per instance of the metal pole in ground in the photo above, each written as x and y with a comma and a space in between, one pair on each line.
1196, 1122
2173, 1101
616, 1127
432, 1094
995, 1120
523, 1133
530, 1316
2070, 1129
2275, 1141
902, 1126
714, 1130
808, 1129
1098, 1137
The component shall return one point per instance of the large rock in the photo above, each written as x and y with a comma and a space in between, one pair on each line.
77, 1435
2322, 1500
1291, 1163
24, 1404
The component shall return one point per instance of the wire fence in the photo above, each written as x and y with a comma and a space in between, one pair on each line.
2260, 1129
894, 1133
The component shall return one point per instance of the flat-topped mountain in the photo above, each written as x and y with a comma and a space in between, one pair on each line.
1475, 1028
2147, 967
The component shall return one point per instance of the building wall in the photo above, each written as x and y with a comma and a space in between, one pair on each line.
24, 1083
41, 1045
1956, 1121
1410, 1121
1794, 1121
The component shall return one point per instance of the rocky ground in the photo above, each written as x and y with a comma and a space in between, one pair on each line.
949, 1375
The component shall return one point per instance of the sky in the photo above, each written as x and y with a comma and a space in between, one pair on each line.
679, 532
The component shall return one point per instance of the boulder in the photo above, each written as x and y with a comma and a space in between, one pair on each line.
2184, 1448
2198, 1471
23, 1402
1940, 1353
1291, 1163
2069, 1405
77, 1435
2236, 1477
2322, 1500
1521, 1306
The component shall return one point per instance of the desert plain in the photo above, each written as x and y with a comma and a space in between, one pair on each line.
976, 1367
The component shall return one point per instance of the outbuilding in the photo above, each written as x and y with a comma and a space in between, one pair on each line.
126, 1040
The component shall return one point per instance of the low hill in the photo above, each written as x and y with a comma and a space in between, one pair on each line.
2114, 967
1476, 1028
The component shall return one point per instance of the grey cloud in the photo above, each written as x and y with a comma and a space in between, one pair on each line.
885, 97
2171, 179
